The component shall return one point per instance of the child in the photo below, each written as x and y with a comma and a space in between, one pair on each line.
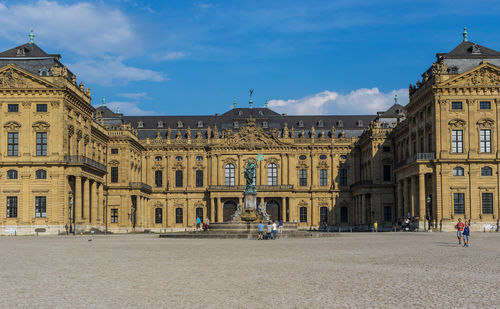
466, 234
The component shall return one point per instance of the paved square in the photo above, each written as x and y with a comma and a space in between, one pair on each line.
386, 270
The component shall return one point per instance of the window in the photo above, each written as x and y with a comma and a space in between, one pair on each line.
158, 179
179, 216
114, 215
456, 105
140, 124
158, 158
41, 143
13, 108
486, 171
387, 173
322, 157
484, 105
178, 158
11, 206
236, 125
303, 214
180, 124
301, 124
387, 213
11, 174
323, 214
160, 124
200, 124
343, 157
199, 213
303, 178
323, 177
114, 150
40, 206
458, 171
199, 179
487, 202
41, 174
178, 179
41, 108
459, 203
272, 174
158, 215
199, 158
456, 141
265, 125
302, 157
12, 143
386, 149
485, 140
342, 177
229, 174
114, 174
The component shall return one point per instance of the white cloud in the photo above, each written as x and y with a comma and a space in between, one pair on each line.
169, 55
134, 95
361, 101
128, 108
107, 72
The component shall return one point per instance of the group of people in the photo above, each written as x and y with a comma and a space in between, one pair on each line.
205, 227
272, 228
463, 232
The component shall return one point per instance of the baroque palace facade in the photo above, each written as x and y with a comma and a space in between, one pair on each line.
64, 162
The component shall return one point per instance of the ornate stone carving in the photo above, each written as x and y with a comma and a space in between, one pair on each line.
41, 126
252, 137
12, 126
71, 130
482, 76
114, 163
457, 123
486, 123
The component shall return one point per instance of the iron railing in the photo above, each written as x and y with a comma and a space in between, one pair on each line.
84, 160
416, 157
241, 188
140, 186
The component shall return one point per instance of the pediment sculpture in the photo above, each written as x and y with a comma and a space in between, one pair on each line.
252, 137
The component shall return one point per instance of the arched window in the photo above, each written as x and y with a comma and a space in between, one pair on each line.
229, 175
458, 171
41, 174
486, 171
158, 215
11, 174
272, 174
303, 214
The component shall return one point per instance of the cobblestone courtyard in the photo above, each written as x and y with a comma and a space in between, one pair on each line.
387, 270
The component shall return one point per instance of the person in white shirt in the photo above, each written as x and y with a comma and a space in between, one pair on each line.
274, 229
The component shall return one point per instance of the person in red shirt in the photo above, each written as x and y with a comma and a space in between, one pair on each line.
460, 230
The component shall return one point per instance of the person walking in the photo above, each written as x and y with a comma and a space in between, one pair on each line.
375, 226
274, 229
261, 230
269, 230
460, 229
466, 234
280, 228
207, 224
198, 222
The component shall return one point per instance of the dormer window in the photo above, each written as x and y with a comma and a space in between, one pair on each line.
261, 113
475, 49
320, 124
178, 158
180, 124
43, 72
301, 124
200, 124
158, 158
359, 123
98, 114
21, 52
160, 124
265, 125
236, 124
340, 124
140, 124
240, 113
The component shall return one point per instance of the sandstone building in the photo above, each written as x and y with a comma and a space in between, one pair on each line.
63, 161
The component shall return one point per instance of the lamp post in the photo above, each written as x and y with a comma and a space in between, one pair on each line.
429, 199
72, 213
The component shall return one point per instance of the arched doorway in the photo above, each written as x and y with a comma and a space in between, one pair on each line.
228, 210
273, 209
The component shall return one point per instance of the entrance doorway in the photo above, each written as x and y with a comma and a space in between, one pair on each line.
228, 210
273, 209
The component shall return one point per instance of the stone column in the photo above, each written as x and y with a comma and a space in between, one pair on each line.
406, 200
212, 210
400, 211
421, 200
100, 198
414, 193
94, 204
77, 203
86, 198
363, 209
283, 209
219, 210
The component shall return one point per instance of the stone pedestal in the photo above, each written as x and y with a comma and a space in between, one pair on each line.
249, 213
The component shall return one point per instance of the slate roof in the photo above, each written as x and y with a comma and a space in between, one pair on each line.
395, 111
466, 50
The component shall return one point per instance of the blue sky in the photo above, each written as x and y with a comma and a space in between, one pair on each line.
196, 57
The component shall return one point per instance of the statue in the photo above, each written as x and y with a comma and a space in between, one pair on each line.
237, 213
249, 177
262, 211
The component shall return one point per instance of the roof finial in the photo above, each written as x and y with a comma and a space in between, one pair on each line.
103, 101
117, 110
32, 36
250, 102
396, 98
465, 35
267, 104
234, 104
